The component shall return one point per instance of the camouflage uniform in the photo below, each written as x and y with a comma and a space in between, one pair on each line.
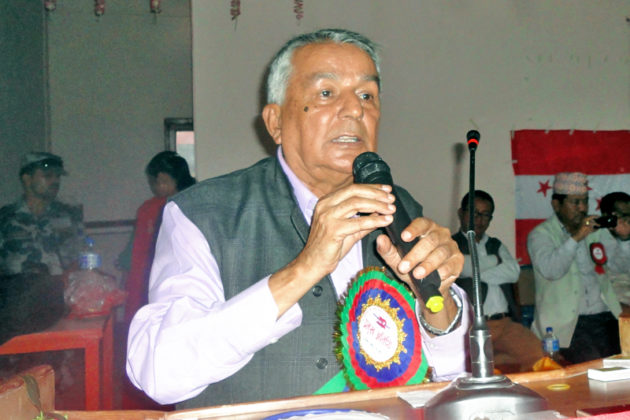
27, 242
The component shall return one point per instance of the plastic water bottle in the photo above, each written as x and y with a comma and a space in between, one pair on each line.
88, 287
89, 259
551, 345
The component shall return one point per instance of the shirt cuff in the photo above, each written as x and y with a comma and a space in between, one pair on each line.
447, 354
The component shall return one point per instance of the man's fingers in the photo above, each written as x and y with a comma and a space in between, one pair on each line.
434, 246
366, 191
418, 228
387, 251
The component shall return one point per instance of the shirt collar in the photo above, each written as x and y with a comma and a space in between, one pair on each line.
306, 200
22, 207
483, 240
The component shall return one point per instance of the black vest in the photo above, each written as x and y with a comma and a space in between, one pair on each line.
466, 283
254, 227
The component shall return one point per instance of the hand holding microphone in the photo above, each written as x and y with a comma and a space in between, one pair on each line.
369, 168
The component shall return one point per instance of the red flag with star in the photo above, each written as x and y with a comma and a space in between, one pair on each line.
537, 155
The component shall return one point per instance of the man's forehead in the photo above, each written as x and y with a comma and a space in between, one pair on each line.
315, 76
573, 198
622, 207
53, 170
481, 202
312, 54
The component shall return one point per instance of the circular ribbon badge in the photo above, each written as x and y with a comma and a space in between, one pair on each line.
598, 255
378, 336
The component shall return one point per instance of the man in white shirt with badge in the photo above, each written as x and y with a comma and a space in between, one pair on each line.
574, 295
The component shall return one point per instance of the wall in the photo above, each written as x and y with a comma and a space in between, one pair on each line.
22, 89
113, 80
448, 67
95, 91
495, 66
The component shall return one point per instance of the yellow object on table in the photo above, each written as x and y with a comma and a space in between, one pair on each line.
545, 363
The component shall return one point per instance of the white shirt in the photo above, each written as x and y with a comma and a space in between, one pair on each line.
493, 274
554, 262
617, 253
189, 336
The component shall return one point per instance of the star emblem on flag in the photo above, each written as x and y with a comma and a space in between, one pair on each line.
544, 187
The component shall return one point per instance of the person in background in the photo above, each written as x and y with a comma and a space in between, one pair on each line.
617, 243
167, 173
512, 341
249, 266
574, 295
618, 246
38, 233
40, 240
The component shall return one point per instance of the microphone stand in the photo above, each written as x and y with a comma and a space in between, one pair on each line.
482, 394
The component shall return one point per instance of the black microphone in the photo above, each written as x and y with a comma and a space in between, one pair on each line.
369, 168
473, 139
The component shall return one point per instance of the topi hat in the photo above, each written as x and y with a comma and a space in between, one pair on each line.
41, 160
574, 183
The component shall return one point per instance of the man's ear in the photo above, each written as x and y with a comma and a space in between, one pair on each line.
460, 214
272, 116
25, 178
555, 205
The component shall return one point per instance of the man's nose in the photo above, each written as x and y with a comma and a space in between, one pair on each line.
351, 106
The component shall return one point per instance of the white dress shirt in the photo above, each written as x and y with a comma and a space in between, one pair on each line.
554, 262
189, 336
617, 253
493, 274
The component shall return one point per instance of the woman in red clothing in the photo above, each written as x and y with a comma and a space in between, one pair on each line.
167, 174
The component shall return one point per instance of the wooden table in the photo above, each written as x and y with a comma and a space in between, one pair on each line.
94, 336
582, 393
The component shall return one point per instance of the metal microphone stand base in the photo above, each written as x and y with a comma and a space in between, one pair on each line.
494, 397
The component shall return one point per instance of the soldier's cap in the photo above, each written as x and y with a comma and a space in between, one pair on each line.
41, 160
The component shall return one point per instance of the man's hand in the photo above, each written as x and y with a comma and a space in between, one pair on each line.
340, 219
343, 218
587, 227
434, 250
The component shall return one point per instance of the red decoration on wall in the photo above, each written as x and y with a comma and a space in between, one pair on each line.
50, 5
155, 6
235, 8
99, 7
298, 9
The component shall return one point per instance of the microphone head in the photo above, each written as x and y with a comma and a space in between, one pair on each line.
369, 168
473, 137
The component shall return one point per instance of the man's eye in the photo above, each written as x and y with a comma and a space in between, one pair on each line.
366, 96
326, 93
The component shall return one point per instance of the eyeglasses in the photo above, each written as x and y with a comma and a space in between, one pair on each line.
625, 217
483, 216
577, 201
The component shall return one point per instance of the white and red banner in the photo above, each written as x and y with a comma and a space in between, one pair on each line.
537, 155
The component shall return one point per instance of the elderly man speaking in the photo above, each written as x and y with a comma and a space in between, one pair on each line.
249, 266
